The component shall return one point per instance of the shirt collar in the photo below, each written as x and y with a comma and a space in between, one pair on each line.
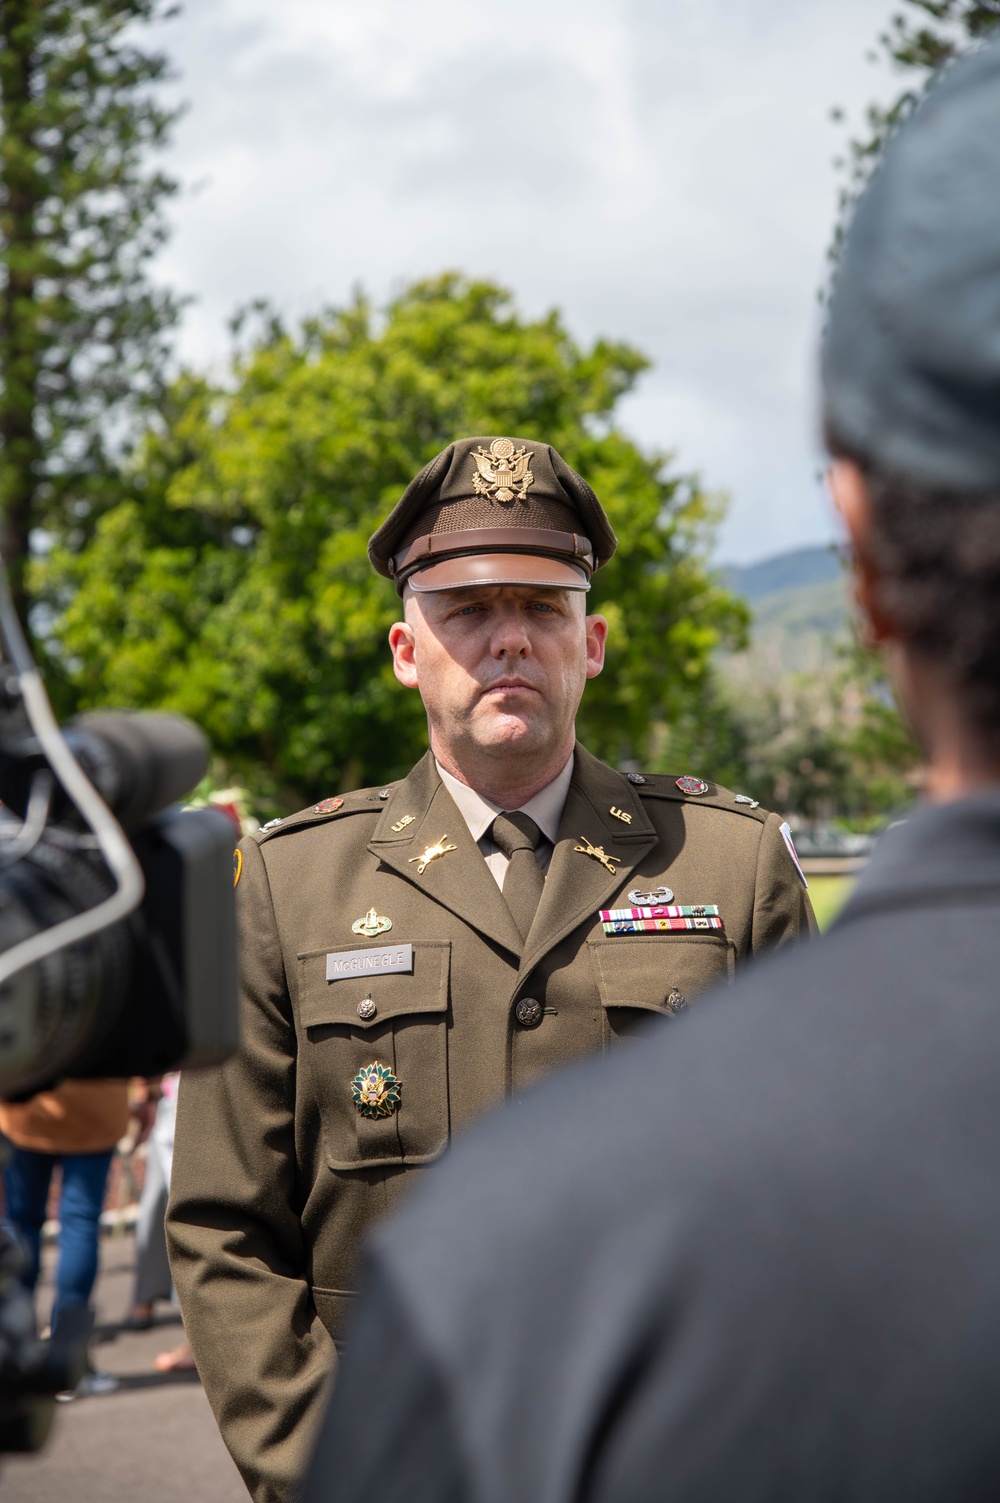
479, 813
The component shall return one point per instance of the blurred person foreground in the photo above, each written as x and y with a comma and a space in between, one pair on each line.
756, 1256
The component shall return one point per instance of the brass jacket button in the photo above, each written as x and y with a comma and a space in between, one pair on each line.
366, 1009
528, 1012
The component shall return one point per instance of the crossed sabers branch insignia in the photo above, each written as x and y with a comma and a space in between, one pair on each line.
432, 852
598, 852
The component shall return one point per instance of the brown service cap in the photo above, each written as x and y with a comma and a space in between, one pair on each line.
494, 511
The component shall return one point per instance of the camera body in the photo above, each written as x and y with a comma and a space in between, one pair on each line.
157, 990
117, 947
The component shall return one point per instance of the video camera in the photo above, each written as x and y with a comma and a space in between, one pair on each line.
117, 942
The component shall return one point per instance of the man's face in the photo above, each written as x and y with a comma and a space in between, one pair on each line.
500, 668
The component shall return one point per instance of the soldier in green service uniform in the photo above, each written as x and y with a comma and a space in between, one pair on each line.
416, 953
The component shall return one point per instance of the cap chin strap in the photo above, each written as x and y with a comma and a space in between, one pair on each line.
545, 541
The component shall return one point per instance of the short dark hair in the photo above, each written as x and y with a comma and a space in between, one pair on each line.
938, 554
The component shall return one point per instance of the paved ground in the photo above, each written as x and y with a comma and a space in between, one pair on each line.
154, 1441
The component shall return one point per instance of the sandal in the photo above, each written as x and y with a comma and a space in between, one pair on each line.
180, 1359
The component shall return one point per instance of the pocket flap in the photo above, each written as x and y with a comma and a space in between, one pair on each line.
393, 995
634, 970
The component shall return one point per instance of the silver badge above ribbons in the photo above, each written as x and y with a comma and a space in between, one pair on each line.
658, 895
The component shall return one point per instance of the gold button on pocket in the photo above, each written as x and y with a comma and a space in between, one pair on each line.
399, 1020
661, 973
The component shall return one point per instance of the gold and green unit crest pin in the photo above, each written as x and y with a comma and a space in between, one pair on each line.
375, 1090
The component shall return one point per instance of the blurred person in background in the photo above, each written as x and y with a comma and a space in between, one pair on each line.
153, 1279
152, 1267
756, 1257
72, 1129
415, 953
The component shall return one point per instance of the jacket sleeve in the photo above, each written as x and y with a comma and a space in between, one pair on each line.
237, 1251
390, 1433
781, 908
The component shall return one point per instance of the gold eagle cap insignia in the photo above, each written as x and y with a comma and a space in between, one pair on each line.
502, 473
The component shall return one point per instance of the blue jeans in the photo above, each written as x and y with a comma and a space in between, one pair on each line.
26, 1178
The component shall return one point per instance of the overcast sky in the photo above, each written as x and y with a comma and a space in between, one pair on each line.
660, 170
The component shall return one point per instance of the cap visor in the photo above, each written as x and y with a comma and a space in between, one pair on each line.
499, 569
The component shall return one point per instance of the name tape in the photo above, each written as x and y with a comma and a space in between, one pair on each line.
380, 962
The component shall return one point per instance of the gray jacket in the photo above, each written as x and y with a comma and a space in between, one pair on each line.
756, 1257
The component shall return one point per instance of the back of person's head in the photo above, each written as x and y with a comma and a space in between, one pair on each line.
911, 378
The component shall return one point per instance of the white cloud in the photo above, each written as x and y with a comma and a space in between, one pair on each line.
664, 172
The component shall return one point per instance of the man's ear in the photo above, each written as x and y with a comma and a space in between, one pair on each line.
403, 643
597, 634
849, 490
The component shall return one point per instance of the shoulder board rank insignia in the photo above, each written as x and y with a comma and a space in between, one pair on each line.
373, 923
661, 918
375, 1091
744, 798
327, 805
692, 785
272, 824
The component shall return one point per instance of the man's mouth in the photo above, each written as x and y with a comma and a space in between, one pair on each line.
510, 686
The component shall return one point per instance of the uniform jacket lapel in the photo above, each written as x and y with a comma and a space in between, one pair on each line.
578, 885
460, 880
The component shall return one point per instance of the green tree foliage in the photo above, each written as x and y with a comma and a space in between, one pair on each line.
918, 42
81, 328
835, 744
826, 745
232, 583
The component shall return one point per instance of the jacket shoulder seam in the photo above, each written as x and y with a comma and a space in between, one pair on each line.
657, 785
365, 801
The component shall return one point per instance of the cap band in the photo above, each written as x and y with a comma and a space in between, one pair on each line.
494, 539
467, 570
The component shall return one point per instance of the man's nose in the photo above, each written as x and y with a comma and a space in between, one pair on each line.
510, 638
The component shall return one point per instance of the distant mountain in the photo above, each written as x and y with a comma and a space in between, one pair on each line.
783, 571
800, 611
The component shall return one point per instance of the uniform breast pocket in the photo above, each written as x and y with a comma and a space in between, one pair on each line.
637, 975
376, 1051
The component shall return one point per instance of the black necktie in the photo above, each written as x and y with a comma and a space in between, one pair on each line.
518, 837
